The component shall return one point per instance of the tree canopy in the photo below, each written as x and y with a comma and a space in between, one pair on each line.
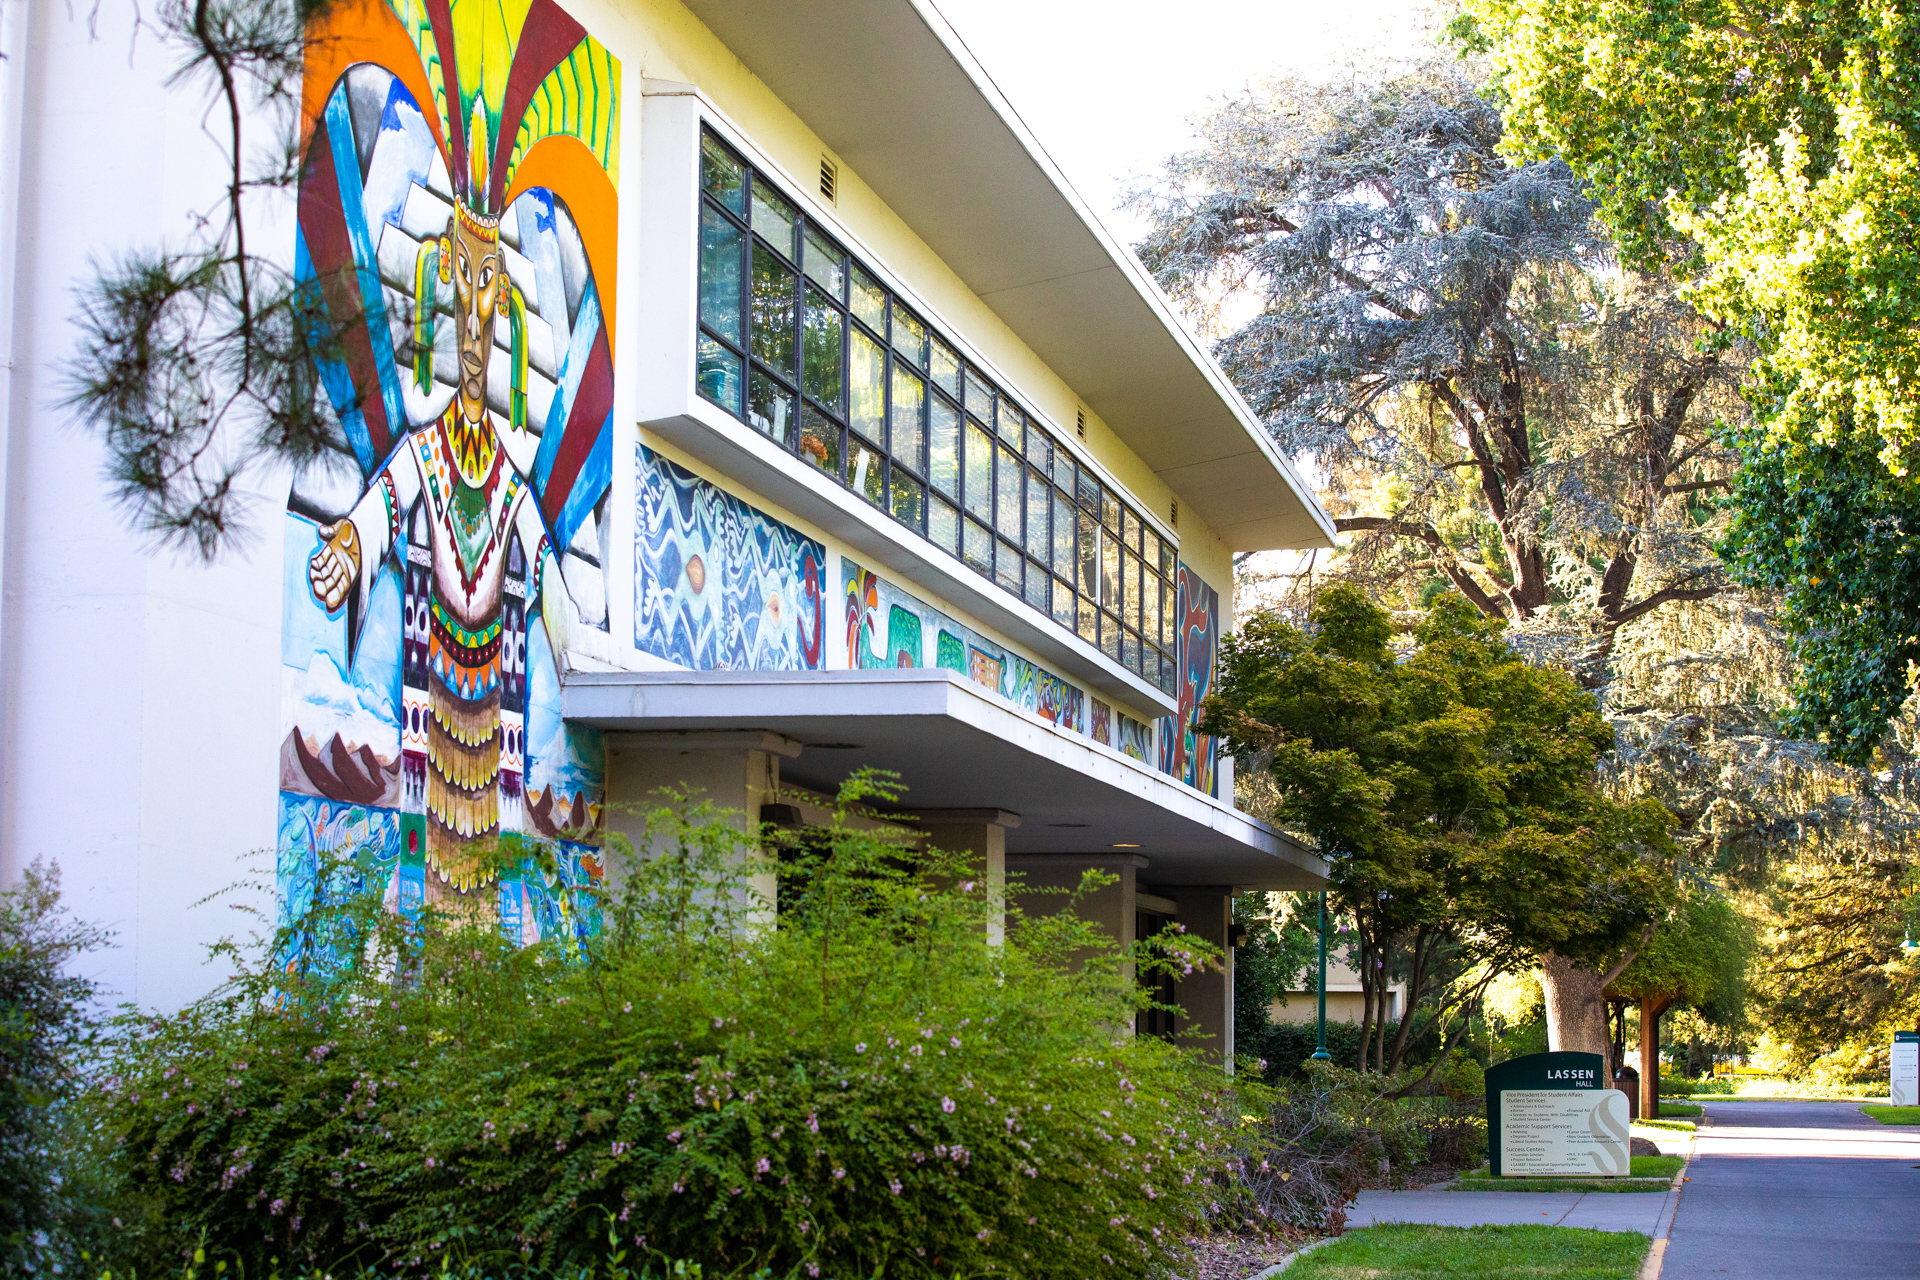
1777, 152
1495, 407
1451, 787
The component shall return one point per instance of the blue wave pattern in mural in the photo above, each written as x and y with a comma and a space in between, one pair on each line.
719, 585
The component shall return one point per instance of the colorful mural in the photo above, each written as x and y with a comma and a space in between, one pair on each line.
456, 219
887, 627
1190, 756
719, 585
1131, 738
1101, 724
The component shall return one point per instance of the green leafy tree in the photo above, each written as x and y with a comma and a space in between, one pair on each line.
1278, 950
1697, 957
1452, 789
1778, 152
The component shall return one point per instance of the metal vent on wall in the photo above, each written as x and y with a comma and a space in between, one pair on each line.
1173, 513
829, 179
1080, 423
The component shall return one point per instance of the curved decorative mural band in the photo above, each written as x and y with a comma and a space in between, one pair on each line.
456, 230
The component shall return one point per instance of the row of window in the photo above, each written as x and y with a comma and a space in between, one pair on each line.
797, 338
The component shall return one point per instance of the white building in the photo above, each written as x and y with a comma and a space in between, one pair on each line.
734, 393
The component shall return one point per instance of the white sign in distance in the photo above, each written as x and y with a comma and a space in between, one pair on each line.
1903, 1083
1577, 1132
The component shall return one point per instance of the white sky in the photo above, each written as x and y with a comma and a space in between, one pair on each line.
1108, 86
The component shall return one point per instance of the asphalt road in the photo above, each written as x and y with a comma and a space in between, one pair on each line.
1798, 1191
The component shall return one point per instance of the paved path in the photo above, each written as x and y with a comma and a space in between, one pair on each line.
1641, 1211
1798, 1191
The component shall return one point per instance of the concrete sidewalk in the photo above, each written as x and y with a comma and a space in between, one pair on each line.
1641, 1211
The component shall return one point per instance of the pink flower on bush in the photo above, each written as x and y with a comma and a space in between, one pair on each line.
763, 1165
946, 1105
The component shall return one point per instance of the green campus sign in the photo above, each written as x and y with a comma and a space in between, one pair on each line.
1554, 1114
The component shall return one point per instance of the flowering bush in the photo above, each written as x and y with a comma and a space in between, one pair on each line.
858, 1086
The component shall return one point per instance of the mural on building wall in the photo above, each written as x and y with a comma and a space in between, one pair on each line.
1100, 723
456, 220
719, 585
1190, 756
1131, 738
887, 627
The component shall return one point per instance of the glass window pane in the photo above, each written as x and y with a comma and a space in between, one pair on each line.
869, 301
1169, 624
773, 217
909, 398
719, 275
1089, 622
944, 366
1166, 560
979, 397
820, 440
978, 549
979, 479
1063, 603
1150, 552
1150, 603
821, 338
1131, 529
774, 298
1109, 573
909, 500
943, 447
1038, 586
1039, 495
1089, 494
1169, 674
1010, 423
1089, 556
770, 408
1009, 500
1109, 636
1110, 510
943, 526
1130, 577
1130, 651
1008, 567
717, 373
1063, 468
1039, 449
720, 174
909, 337
825, 264
1062, 535
866, 471
867, 386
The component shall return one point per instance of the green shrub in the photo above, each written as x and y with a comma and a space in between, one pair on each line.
865, 1088
45, 1024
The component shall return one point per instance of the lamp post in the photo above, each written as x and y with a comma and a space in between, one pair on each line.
1320, 1049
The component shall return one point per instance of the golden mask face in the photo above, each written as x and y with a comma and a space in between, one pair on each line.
479, 280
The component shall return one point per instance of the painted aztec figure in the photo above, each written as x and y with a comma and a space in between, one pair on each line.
456, 221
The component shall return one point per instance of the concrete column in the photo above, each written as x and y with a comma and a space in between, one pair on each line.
736, 770
1112, 908
1207, 998
983, 833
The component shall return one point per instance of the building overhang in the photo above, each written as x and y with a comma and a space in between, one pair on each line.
955, 746
890, 87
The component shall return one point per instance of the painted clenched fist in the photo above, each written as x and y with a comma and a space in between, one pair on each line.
335, 565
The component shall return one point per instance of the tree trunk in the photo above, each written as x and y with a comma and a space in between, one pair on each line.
1576, 1012
1650, 1011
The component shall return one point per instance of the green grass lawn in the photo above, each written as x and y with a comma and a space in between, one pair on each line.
1482, 1253
1892, 1115
1670, 1110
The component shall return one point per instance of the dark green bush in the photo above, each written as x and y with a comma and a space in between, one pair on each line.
864, 1089
1286, 1047
45, 1023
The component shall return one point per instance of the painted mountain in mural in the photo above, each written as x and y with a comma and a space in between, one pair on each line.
577, 820
339, 770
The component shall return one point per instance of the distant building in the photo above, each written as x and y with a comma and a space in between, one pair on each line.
733, 394
1345, 1002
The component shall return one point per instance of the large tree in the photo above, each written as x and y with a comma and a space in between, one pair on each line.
1443, 331
1493, 405
1698, 957
1452, 788
1778, 149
